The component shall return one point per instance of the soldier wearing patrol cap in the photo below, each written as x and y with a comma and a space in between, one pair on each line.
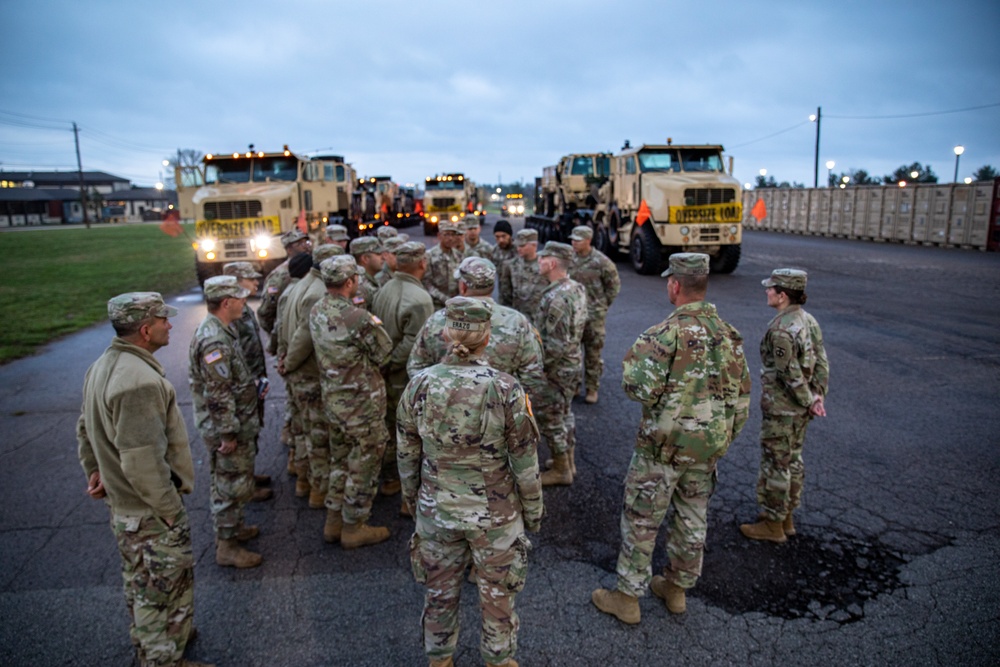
367, 252
474, 246
442, 260
141, 467
337, 235
295, 243
521, 282
389, 248
386, 232
691, 378
794, 375
225, 395
469, 468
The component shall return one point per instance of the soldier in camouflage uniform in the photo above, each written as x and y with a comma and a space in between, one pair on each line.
367, 252
474, 246
141, 467
295, 243
386, 232
691, 377
794, 375
599, 276
337, 235
469, 467
297, 364
562, 314
291, 432
514, 346
403, 306
522, 284
442, 260
504, 252
350, 346
224, 394
389, 248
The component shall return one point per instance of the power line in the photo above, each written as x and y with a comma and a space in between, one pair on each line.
787, 129
915, 115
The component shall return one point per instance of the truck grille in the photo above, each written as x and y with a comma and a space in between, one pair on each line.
232, 210
703, 196
235, 249
443, 202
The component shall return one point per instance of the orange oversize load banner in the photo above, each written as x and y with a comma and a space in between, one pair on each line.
643, 215
759, 210
171, 225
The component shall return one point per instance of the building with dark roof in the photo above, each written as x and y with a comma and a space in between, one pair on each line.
94, 181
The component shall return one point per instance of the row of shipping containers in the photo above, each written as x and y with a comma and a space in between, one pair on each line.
950, 215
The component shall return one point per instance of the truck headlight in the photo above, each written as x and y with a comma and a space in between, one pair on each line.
208, 245
262, 242
685, 231
454, 218
733, 229
434, 218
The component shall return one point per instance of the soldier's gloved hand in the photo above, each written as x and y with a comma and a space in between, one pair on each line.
228, 446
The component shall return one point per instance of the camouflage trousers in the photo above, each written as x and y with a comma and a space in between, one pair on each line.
158, 575
552, 406
390, 469
355, 460
779, 484
440, 556
232, 485
651, 488
594, 335
313, 441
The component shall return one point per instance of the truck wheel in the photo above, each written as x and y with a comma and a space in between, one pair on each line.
601, 240
645, 250
206, 270
726, 260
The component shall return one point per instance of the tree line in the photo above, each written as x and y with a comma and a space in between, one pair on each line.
912, 173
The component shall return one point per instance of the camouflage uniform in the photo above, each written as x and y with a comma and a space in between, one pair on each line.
440, 281
224, 394
144, 462
599, 277
350, 346
521, 287
390, 245
794, 373
468, 465
276, 283
691, 377
501, 258
482, 249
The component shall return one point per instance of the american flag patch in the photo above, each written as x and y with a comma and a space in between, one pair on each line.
213, 356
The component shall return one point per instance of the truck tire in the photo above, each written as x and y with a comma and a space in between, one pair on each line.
614, 224
601, 240
726, 260
644, 251
206, 270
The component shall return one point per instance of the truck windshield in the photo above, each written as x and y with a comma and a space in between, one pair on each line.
583, 165
603, 165
701, 159
445, 185
275, 169
227, 171
658, 161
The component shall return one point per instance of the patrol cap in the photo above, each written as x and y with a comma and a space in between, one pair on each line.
558, 250
133, 307
240, 270
477, 272
581, 233
337, 269
218, 288
325, 251
392, 244
363, 244
687, 264
404, 236
386, 232
470, 223
445, 227
467, 314
411, 252
525, 236
792, 279
337, 233
293, 236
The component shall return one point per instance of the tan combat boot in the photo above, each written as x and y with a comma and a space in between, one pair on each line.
262, 480
622, 606
229, 553
302, 487
673, 595
560, 474
390, 487
333, 527
188, 663
591, 397
770, 531
510, 663
247, 533
360, 534
317, 499
260, 494
292, 471
447, 662
788, 525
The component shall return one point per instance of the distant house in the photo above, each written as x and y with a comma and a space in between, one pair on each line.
39, 206
93, 181
138, 204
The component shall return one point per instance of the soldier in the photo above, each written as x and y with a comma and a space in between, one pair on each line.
248, 332
403, 306
473, 244
297, 363
337, 235
469, 467
367, 252
691, 377
389, 248
794, 375
522, 284
298, 268
225, 396
295, 243
514, 345
504, 251
350, 346
134, 450
562, 314
599, 276
386, 232
442, 260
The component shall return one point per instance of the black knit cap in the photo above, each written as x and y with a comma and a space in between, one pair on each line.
503, 226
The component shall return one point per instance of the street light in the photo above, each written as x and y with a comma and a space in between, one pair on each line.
968, 180
763, 172
830, 164
914, 174
958, 153
816, 118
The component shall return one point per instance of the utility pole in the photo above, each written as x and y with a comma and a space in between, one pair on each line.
819, 116
79, 171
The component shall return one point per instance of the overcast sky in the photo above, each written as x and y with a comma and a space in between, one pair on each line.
499, 90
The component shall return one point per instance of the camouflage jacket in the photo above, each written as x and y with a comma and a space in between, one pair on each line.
562, 315
521, 286
350, 346
272, 343
403, 305
794, 369
467, 448
514, 346
383, 276
501, 258
223, 389
482, 249
276, 283
440, 281
299, 354
248, 332
691, 377
599, 276
367, 289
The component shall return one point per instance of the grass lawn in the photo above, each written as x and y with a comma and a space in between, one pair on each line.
57, 281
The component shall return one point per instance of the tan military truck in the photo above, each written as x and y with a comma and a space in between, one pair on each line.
448, 197
573, 183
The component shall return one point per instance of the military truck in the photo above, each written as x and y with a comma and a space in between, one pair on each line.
659, 199
448, 197
573, 183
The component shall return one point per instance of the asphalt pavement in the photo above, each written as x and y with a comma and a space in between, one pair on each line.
895, 562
